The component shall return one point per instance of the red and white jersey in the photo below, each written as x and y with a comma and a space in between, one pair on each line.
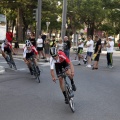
61, 57
32, 49
6, 45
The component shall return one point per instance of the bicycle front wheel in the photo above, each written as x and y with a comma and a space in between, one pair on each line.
70, 101
38, 78
72, 105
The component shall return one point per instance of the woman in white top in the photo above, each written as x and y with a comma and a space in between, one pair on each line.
40, 46
89, 45
110, 48
60, 45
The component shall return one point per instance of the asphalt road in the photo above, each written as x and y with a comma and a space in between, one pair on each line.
97, 96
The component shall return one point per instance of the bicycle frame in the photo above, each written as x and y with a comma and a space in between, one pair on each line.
10, 60
69, 93
34, 68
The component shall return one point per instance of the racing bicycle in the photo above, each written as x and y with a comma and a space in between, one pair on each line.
10, 61
35, 71
69, 93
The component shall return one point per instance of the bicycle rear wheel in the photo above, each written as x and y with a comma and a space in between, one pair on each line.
38, 78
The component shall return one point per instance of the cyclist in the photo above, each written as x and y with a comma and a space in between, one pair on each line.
7, 47
30, 50
59, 60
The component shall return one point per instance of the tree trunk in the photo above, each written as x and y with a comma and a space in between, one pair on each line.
19, 26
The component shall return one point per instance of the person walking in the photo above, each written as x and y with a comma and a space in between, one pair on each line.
89, 45
97, 52
110, 48
67, 46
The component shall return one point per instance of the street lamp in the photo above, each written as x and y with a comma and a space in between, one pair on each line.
47, 23
64, 14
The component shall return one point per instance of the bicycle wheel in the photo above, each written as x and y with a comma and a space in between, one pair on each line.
10, 65
14, 66
38, 78
70, 100
38, 74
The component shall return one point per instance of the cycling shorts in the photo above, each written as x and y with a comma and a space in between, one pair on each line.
7, 49
60, 66
28, 55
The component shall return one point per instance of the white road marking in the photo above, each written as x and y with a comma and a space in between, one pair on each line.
22, 69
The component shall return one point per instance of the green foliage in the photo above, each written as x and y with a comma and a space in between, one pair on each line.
98, 14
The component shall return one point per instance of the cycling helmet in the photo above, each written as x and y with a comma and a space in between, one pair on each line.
28, 43
53, 51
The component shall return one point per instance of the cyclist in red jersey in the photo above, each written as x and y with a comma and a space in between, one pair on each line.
29, 51
7, 47
59, 60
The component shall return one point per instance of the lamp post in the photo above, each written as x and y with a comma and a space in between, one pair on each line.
47, 23
64, 14
38, 31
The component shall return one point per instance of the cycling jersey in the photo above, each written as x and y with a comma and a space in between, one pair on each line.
6, 45
61, 58
32, 50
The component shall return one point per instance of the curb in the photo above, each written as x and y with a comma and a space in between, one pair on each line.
2, 70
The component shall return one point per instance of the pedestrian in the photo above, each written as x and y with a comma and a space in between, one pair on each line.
16, 47
67, 46
40, 47
110, 48
32, 39
119, 44
47, 48
89, 46
9, 35
60, 45
53, 42
97, 52
80, 50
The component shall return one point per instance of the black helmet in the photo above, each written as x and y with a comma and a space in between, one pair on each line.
53, 51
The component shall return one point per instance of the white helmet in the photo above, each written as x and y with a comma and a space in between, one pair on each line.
28, 43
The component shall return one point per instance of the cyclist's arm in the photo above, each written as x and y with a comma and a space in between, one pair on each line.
10, 45
71, 67
2, 47
52, 74
24, 56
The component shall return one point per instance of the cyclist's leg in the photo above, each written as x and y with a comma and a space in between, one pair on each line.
11, 58
4, 55
29, 66
68, 72
28, 63
58, 69
36, 63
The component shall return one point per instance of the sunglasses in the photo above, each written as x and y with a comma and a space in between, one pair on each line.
54, 56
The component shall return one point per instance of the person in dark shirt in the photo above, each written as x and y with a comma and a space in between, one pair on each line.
32, 39
97, 52
67, 45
